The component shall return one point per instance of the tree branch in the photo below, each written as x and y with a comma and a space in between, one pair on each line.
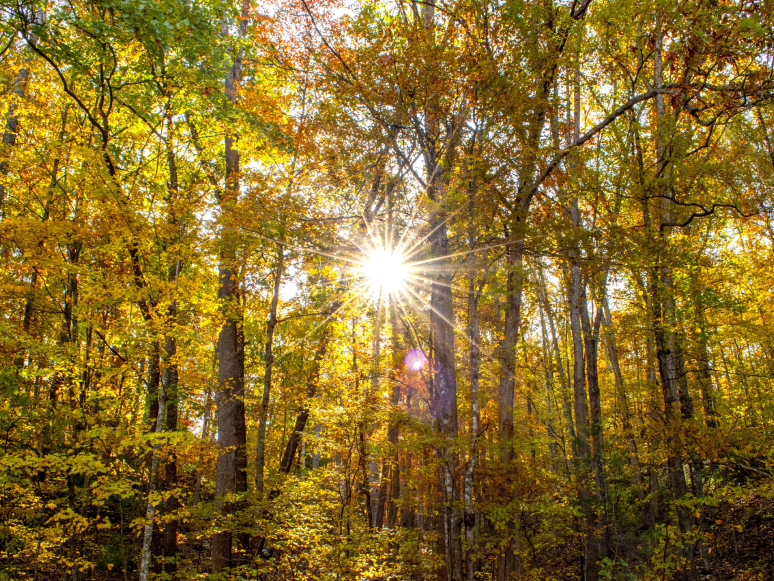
533, 188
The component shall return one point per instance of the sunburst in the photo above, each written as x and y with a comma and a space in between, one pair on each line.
385, 270
390, 271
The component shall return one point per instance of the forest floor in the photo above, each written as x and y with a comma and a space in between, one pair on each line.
742, 539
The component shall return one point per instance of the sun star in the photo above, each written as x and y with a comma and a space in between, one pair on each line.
385, 271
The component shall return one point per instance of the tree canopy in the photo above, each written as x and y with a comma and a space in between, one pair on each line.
442, 289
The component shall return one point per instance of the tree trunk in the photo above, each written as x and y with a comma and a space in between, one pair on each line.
704, 376
474, 294
548, 369
260, 451
445, 384
206, 420
171, 374
514, 287
591, 342
652, 382
664, 305
391, 462
514, 258
372, 474
170, 483
583, 457
566, 407
577, 311
443, 365
150, 510
231, 471
623, 400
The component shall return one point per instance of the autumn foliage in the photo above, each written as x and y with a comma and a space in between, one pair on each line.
456, 290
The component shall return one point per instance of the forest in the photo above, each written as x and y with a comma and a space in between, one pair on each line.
339, 290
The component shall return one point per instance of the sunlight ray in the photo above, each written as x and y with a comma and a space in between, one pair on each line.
418, 278
465, 336
462, 253
410, 251
328, 317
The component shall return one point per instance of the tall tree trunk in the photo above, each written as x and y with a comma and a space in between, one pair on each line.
150, 510
704, 375
171, 370
623, 400
393, 429
507, 563
407, 513
576, 300
445, 384
591, 343
260, 451
474, 295
231, 464
697, 477
390, 484
443, 364
664, 304
206, 420
371, 467
648, 291
583, 451
232, 433
548, 369
514, 257
170, 470
566, 407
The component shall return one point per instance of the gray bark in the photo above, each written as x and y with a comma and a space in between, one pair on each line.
231, 471
514, 285
664, 302
474, 295
150, 509
205, 437
443, 365
391, 468
566, 406
260, 452
623, 400
372, 475
704, 375
548, 368
591, 343
577, 304
171, 375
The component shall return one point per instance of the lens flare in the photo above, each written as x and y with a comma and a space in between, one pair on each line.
415, 360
